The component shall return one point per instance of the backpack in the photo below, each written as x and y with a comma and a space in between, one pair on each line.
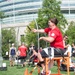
12, 51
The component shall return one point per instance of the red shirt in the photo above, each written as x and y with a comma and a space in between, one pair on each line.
57, 35
22, 50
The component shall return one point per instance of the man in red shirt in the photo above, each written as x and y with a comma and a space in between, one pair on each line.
23, 53
54, 38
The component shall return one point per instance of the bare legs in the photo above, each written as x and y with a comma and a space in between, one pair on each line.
40, 59
50, 65
11, 63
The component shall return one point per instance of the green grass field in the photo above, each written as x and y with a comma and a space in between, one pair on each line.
18, 70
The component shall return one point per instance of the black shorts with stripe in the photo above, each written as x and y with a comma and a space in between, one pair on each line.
57, 52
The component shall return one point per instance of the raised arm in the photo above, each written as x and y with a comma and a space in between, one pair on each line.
39, 30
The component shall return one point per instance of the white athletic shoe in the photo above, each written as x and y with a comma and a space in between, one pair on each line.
49, 72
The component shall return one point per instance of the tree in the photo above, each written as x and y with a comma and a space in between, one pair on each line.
70, 32
50, 9
8, 37
1, 15
30, 36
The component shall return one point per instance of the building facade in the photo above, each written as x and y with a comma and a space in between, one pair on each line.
68, 9
20, 12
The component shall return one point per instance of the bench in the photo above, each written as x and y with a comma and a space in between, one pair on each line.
65, 59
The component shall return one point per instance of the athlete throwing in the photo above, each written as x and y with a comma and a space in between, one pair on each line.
56, 42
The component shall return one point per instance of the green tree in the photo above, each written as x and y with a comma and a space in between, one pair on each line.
30, 36
22, 38
50, 9
70, 32
1, 15
8, 37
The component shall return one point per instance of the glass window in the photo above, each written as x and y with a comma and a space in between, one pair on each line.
21, 8
65, 11
72, 11
15, 3
73, 4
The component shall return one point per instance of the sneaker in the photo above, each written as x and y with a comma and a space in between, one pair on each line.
43, 73
49, 72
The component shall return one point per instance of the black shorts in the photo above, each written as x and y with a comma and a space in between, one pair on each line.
21, 57
56, 53
43, 54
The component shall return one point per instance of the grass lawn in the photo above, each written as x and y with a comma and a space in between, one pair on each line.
18, 70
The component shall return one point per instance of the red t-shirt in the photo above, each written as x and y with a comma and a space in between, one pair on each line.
22, 50
57, 35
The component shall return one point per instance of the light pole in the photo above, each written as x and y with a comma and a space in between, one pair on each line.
15, 22
37, 34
